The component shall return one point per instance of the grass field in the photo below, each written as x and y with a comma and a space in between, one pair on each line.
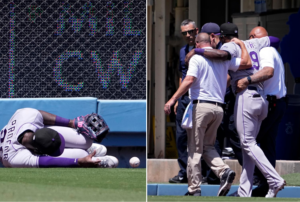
72, 184
291, 179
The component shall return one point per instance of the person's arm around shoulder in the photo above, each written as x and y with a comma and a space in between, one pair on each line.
245, 58
267, 71
214, 54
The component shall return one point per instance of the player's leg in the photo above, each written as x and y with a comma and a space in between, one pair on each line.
267, 140
72, 138
254, 110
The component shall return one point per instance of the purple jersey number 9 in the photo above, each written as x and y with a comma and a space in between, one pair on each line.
254, 58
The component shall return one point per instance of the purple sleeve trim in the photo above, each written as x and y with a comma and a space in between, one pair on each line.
48, 161
274, 41
59, 121
199, 51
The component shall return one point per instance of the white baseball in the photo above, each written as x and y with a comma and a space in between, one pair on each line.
134, 162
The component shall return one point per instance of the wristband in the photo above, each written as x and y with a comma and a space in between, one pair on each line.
199, 51
249, 79
59, 121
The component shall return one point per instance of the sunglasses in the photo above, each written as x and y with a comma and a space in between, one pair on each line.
189, 31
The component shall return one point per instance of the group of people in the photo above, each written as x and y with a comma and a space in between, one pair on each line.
247, 77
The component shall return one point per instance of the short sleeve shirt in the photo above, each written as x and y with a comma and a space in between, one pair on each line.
211, 78
253, 47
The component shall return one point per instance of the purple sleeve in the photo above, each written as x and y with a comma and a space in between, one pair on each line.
48, 161
199, 51
274, 41
59, 121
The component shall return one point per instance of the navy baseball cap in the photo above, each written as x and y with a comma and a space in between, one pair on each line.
49, 142
229, 29
211, 28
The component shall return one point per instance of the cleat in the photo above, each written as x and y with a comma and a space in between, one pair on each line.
273, 191
226, 181
107, 161
197, 193
100, 150
178, 179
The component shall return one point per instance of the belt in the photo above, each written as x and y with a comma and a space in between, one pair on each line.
252, 88
205, 101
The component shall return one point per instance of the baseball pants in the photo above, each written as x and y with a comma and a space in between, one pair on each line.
181, 136
75, 143
201, 140
250, 110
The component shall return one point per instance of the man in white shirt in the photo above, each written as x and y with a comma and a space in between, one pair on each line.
271, 73
207, 81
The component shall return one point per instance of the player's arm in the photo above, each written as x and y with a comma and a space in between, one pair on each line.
183, 88
176, 104
53, 120
48, 161
264, 74
208, 53
245, 58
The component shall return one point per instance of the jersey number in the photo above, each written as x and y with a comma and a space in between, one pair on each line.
2, 136
255, 61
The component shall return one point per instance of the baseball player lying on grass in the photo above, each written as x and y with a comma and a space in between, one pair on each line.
34, 138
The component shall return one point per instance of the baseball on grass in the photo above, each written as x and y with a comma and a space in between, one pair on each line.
134, 162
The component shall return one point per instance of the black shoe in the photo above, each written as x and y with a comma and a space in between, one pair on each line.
197, 193
204, 180
261, 190
256, 181
226, 181
178, 179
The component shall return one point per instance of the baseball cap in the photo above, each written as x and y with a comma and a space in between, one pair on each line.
49, 142
229, 29
211, 28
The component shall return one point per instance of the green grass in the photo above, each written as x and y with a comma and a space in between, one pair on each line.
72, 184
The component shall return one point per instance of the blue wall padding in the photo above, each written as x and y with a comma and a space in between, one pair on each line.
124, 115
152, 189
64, 107
211, 190
125, 139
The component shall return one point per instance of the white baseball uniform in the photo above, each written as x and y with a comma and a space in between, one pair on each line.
14, 154
251, 108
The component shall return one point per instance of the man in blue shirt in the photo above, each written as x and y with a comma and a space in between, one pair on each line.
189, 31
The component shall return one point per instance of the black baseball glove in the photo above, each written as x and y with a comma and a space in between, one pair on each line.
92, 126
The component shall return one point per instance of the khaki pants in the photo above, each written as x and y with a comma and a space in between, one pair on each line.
201, 139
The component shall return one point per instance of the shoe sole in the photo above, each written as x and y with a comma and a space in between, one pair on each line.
281, 188
223, 191
171, 181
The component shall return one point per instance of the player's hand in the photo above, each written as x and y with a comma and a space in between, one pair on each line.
237, 41
87, 161
168, 105
175, 107
188, 56
241, 85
